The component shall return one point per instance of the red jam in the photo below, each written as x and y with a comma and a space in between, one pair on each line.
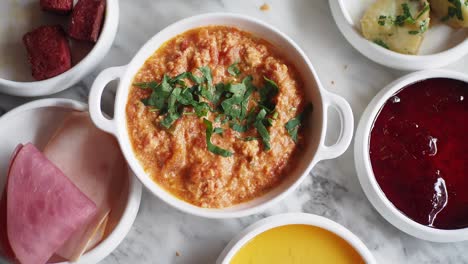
419, 152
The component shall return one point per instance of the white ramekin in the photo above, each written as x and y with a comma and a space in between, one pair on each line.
364, 168
78, 71
315, 151
293, 219
51, 109
343, 12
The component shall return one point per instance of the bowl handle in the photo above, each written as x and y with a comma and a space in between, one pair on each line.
345, 114
95, 96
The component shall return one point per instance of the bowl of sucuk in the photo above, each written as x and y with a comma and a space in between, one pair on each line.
62, 131
403, 34
296, 238
410, 154
221, 115
48, 46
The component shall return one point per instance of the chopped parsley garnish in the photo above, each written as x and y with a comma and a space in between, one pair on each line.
268, 93
382, 20
261, 128
218, 130
190, 94
426, 8
406, 17
234, 69
292, 126
455, 10
423, 25
211, 147
381, 43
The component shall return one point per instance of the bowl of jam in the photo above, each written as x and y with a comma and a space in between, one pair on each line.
411, 154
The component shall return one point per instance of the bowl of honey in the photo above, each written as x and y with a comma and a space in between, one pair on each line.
296, 238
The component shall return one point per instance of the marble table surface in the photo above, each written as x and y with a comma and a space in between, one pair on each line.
161, 234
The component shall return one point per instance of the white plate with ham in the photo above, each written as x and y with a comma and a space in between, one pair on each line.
67, 193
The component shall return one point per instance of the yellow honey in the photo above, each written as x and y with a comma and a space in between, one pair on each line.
297, 244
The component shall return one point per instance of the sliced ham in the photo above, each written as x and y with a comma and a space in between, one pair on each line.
5, 248
44, 208
93, 161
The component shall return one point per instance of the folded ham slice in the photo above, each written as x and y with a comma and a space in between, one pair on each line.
93, 161
5, 248
44, 208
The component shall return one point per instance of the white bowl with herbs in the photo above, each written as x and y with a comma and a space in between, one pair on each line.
404, 34
216, 149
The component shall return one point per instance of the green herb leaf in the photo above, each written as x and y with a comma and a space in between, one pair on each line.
172, 110
169, 120
186, 97
218, 130
405, 17
455, 10
267, 94
423, 11
201, 109
238, 127
382, 20
234, 69
213, 94
211, 147
218, 118
423, 25
237, 90
146, 85
195, 79
292, 126
381, 43
207, 74
159, 95
232, 106
250, 88
262, 130
275, 115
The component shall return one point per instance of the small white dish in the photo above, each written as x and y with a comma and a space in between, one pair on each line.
36, 122
441, 46
293, 219
364, 168
315, 151
19, 17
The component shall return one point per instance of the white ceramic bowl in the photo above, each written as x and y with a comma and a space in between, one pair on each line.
364, 168
441, 46
36, 122
315, 150
19, 17
293, 219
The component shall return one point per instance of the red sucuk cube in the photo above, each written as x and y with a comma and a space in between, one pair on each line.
57, 6
48, 51
86, 20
